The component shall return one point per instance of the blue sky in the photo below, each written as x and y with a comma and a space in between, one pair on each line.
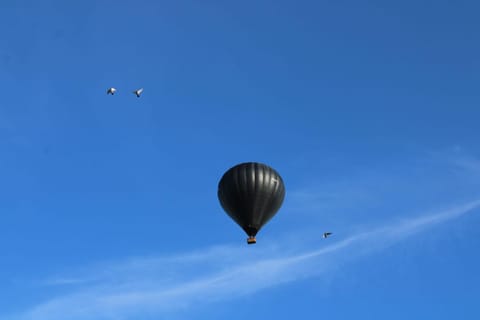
369, 111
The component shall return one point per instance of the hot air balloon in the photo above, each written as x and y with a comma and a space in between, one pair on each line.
251, 194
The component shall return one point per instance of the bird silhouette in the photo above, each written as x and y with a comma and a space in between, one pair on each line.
138, 92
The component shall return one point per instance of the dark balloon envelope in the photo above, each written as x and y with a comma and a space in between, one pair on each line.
251, 194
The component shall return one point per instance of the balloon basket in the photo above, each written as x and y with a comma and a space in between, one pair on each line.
251, 240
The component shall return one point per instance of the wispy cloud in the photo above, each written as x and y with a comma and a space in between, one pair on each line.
64, 281
468, 163
162, 284
457, 157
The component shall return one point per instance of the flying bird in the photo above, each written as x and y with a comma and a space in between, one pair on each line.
138, 92
326, 234
111, 91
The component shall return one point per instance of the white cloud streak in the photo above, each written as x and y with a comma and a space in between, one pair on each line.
159, 285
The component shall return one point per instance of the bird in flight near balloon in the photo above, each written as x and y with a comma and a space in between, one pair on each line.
326, 234
111, 91
138, 92
251, 193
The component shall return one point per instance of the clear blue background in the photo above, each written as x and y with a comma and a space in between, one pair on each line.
370, 100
